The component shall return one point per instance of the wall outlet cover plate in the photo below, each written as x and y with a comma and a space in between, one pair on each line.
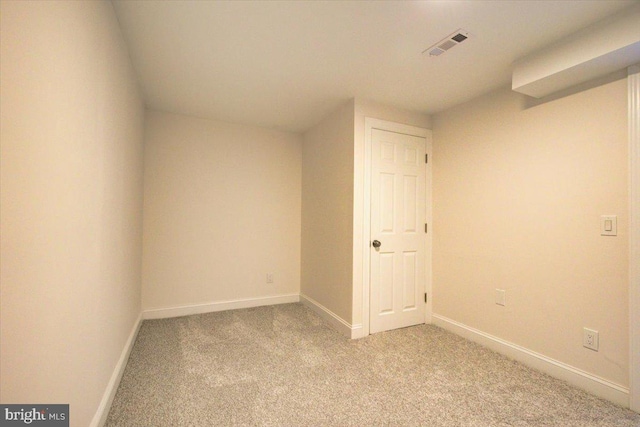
590, 339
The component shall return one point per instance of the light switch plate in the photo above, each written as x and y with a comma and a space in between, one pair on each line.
609, 225
501, 297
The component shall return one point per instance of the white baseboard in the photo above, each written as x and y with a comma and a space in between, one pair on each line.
357, 331
186, 310
101, 414
337, 322
574, 376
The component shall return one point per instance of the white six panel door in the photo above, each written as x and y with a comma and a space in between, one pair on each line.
397, 276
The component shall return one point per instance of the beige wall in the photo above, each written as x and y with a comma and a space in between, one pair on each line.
363, 109
327, 212
71, 203
221, 210
518, 194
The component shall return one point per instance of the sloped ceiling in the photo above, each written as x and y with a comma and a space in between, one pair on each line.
286, 64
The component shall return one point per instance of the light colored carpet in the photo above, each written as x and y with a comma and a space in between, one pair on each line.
282, 366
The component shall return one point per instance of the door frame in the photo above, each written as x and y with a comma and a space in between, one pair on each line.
369, 125
633, 110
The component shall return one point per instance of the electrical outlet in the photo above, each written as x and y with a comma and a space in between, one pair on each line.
269, 277
590, 339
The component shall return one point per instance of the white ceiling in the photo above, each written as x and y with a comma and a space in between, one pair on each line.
286, 64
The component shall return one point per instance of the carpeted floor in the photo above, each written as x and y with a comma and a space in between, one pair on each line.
282, 366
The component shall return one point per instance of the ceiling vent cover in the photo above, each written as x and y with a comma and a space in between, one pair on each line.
447, 43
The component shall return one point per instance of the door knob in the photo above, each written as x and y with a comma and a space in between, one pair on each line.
376, 244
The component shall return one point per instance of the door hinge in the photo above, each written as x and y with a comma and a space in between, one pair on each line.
426, 227
425, 297
426, 158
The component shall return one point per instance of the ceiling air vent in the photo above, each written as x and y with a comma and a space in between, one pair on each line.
447, 43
